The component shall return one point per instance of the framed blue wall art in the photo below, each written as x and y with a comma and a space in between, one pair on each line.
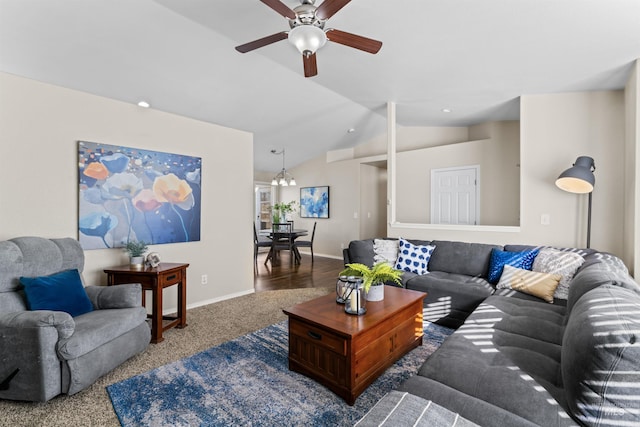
130, 194
314, 202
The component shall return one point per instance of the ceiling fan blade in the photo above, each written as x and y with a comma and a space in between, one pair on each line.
281, 8
353, 40
248, 47
328, 8
310, 65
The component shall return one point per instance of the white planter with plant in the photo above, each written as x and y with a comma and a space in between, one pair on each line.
374, 278
136, 252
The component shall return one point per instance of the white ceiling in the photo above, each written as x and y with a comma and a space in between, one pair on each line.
475, 57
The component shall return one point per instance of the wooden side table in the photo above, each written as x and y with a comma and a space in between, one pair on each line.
155, 280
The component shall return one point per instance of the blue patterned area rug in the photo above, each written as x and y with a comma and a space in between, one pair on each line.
247, 382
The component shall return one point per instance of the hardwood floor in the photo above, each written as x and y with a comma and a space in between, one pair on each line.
287, 275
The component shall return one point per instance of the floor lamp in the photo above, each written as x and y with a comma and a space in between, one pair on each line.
579, 179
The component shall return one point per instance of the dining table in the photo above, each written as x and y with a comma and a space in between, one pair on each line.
292, 236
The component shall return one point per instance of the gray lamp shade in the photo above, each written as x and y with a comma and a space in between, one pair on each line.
579, 178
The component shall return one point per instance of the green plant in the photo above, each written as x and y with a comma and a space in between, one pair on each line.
280, 210
285, 208
136, 249
376, 275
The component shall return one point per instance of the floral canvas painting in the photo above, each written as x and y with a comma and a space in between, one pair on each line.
314, 202
129, 194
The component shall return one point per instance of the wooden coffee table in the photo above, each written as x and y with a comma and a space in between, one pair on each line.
346, 353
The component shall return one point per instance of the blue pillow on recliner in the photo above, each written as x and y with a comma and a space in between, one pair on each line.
59, 292
499, 258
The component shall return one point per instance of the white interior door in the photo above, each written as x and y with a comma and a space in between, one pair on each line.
454, 195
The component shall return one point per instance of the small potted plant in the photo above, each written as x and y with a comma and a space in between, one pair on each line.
374, 278
136, 252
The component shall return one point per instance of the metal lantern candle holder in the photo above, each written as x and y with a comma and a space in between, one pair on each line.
341, 287
354, 297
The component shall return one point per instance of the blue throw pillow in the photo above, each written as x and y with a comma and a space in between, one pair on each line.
59, 292
413, 258
499, 258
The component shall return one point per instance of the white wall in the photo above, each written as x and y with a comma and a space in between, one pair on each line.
40, 125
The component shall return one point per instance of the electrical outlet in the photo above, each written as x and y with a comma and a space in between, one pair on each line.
204, 279
341, 245
545, 219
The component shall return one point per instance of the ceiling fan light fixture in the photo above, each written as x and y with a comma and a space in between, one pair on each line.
307, 38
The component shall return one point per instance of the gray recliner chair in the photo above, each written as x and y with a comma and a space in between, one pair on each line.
44, 353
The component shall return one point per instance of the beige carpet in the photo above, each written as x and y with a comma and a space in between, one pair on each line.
207, 326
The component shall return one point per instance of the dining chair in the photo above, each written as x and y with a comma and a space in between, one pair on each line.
281, 239
307, 243
259, 242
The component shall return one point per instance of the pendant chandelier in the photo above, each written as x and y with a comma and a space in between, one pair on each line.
283, 178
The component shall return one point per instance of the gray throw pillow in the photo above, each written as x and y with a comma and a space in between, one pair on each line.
565, 264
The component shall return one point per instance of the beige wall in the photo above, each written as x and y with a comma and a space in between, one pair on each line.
414, 137
498, 159
40, 125
632, 177
555, 129
373, 201
343, 179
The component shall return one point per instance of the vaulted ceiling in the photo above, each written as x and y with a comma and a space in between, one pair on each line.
472, 57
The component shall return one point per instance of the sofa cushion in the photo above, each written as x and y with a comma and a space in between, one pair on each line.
564, 263
361, 252
500, 258
450, 297
470, 259
99, 327
600, 354
58, 292
413, 258
403, 409
531, 318
597, 274
514, 372
470, 407
541, 285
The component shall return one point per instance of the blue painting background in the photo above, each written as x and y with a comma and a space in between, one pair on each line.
314, 202
129, 194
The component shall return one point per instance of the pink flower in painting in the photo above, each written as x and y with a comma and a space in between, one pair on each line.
146, 201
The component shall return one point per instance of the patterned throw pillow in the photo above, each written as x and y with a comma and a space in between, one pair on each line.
565, 264
413, 258
385, 251
501, 258
541, 285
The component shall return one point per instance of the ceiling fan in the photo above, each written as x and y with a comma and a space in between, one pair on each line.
307, 32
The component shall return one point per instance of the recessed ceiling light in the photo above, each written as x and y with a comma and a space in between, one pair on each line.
446, 110
351, 130
144, 104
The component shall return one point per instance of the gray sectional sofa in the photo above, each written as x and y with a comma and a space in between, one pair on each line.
516, 360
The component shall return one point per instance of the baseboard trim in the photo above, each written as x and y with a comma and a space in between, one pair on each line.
321, 255
173, 310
